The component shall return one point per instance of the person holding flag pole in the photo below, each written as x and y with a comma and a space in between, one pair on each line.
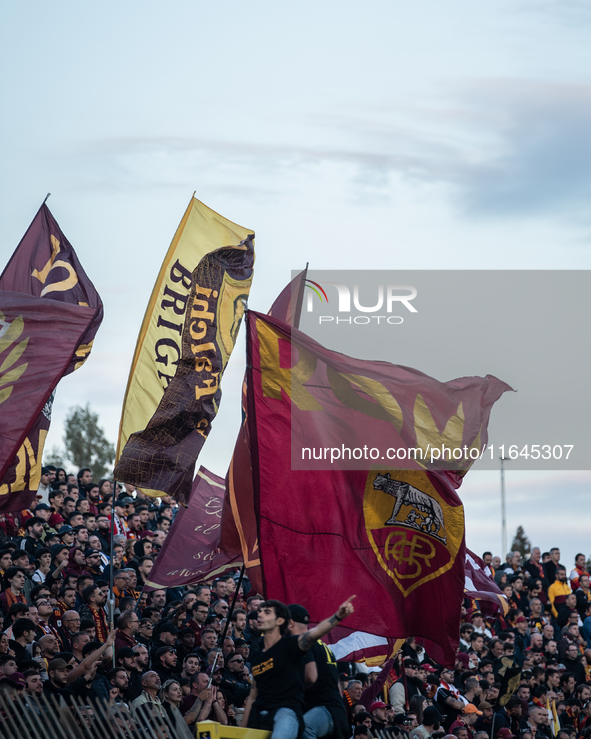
228, 621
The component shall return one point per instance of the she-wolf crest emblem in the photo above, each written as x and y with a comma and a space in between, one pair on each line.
418, 538
425, 513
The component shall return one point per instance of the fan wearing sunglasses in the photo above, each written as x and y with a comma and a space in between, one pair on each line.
233, 679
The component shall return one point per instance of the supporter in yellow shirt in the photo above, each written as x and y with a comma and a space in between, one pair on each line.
559, 588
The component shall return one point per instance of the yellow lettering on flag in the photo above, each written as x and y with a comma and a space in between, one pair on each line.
26, 454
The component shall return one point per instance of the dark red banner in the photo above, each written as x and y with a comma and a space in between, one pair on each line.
38, 338
45, 265
190, 552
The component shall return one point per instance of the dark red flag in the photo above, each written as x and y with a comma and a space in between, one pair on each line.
38, 338
479, 584
288, 304
394, 537
45, 267
190, 552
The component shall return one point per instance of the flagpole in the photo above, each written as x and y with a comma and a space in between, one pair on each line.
137, 603
231, 611
404, 680
111, 563
300, 300
46, 197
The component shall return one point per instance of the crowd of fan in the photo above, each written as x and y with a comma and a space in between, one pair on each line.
55, 635
524, 674
167, 655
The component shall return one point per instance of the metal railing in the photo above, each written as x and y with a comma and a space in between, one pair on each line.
42, 717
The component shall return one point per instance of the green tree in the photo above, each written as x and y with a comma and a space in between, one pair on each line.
85, 443
521, 543
55, 457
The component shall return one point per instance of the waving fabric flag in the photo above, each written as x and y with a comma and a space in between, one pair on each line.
49, 327
38, 338
45, 265
288, 304
358, 646
394, 537
479, 584
239, 525
185, 342
190, 552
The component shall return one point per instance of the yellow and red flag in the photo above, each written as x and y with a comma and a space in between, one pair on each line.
394, 537
49, 315
185, 342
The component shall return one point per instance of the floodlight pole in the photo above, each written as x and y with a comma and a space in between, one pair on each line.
503, 511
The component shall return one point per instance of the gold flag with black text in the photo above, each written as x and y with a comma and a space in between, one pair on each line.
185, 342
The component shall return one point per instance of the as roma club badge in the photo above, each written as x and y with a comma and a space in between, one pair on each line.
414, 533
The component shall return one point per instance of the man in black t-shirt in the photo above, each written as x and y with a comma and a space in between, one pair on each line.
325, 712
276, 701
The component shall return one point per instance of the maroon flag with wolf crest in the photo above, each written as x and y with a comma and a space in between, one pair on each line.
394, 537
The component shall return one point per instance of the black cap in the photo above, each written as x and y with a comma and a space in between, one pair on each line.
164, 650
126, 500
125, 652
169, 628
57, 548
66, 529
91, 552
45, 470
432, 716
299, 614
43, 507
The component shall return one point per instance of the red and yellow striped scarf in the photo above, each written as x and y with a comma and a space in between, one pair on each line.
100, 623
11, 598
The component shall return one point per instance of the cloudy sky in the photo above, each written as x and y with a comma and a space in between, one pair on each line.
375, 135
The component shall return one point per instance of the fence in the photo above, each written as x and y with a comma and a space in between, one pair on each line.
27, 717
